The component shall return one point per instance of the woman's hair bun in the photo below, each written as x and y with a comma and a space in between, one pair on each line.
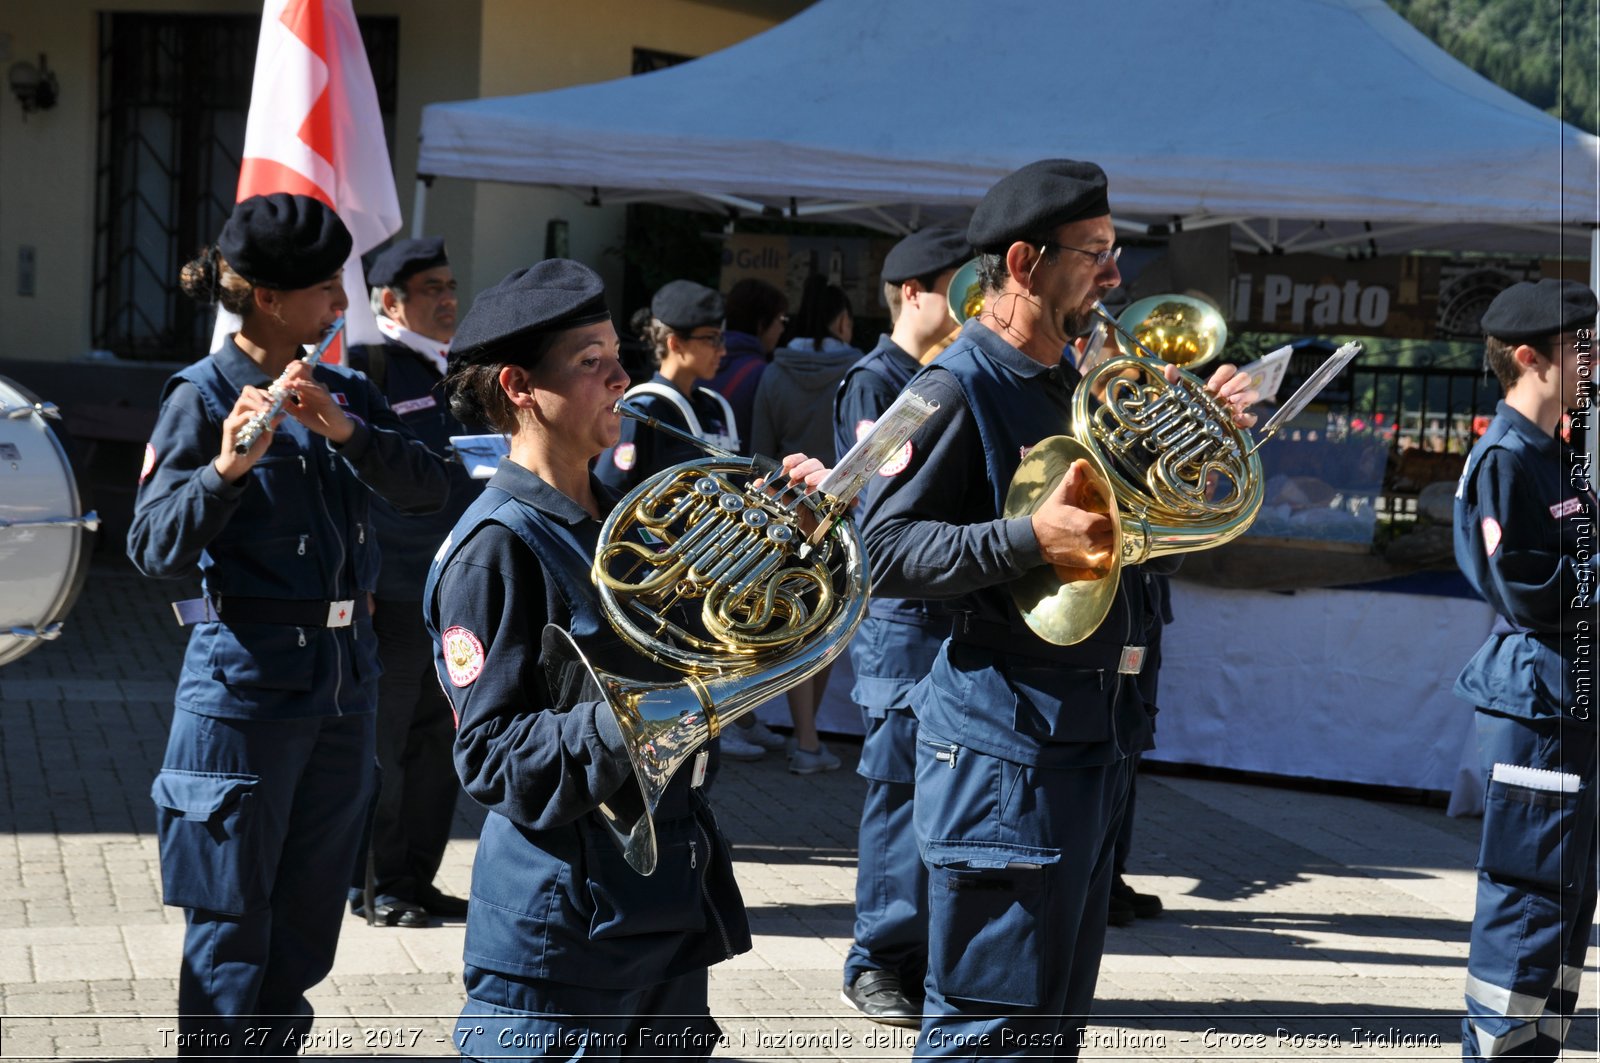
200, 275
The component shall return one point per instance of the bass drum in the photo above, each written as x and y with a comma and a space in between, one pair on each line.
44, 531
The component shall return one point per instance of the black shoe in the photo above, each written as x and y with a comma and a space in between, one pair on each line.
1121, 912
1143, 905
442, 904
879, 996
398, 913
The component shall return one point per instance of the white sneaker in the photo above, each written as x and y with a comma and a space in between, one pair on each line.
762, 735
802, 762
736, 747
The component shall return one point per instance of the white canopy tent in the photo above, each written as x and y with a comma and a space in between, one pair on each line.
1305, 125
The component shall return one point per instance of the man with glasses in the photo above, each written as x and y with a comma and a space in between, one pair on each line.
1024, 749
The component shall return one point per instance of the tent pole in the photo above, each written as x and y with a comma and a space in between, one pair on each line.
419, 206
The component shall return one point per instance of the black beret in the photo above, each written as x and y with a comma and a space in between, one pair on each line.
551, 296
284, 241
683, 305
1033, 201
927, 252
1529, 311
404, 258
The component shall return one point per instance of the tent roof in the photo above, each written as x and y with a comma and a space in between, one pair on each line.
1326, 125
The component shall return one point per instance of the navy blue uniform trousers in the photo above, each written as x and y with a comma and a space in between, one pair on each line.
1014, 952
262, 870
1536, 891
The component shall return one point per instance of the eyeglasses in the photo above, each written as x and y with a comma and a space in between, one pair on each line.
1110, 254
716, 339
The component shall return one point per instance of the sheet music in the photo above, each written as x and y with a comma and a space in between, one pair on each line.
883, 443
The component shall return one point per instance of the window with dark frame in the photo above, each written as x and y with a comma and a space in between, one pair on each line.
174, 94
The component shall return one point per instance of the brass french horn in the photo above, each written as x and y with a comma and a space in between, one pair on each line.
1174, 472
740, 589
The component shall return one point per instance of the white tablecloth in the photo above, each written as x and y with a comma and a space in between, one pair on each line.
1349, 685
1345, 685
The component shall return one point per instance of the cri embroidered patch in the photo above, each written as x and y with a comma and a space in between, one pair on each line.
625, 456
463, 655
1567, 508
149, 463
862, 428
897, 464
1491, 536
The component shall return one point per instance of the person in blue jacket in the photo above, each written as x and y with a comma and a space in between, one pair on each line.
1525, 538
893, 649
269, 763
567, 947
1024, 748
414, 297
685, 331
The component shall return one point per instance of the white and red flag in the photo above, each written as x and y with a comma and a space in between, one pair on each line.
315, 130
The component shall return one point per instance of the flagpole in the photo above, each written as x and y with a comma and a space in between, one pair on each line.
419, 206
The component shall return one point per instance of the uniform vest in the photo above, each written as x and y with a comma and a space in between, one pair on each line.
301, 532
565, 561
1520, 671
1013, 413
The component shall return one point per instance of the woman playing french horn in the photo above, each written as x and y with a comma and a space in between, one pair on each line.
567, 946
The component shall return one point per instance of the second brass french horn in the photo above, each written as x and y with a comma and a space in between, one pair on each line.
1172, 470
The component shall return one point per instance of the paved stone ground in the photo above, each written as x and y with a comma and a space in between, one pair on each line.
1299, 924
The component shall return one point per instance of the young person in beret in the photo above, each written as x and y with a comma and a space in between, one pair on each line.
414, 298
567, 946
1524, 537
685, 331
269, 763
895, 648
1024, 748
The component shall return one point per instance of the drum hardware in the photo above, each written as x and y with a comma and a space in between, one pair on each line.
44, 560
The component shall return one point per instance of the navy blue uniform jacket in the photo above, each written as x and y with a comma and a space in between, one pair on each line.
295, 527
1525, 539
935, 531
552, 897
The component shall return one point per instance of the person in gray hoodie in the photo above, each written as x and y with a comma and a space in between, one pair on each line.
794, 410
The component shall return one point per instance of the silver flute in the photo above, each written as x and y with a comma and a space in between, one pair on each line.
279, 392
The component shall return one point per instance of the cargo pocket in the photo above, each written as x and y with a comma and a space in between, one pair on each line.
1536, 835
626, 903
209, 842
987, 933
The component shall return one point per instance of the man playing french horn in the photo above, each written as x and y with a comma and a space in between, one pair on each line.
1025, 747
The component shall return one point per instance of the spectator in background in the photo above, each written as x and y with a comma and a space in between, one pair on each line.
794, 412
414, 297
757, 314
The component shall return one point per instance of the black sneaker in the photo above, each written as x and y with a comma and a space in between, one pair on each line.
879, 996
1143, 905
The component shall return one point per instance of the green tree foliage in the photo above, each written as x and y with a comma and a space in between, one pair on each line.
1545, 51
